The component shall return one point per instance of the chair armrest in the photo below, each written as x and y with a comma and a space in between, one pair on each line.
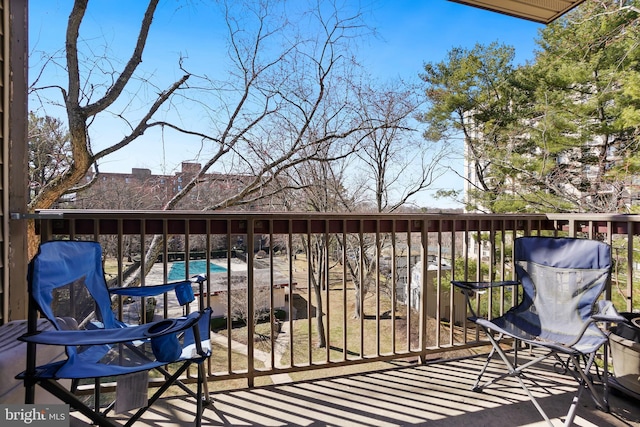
112, 336
183, 289
607, 313
153, 290
146, 291
469, 288
479, 286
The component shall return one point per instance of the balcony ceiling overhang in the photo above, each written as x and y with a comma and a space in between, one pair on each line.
543, 11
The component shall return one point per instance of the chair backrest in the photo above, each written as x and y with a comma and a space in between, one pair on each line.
67, 283
562, 279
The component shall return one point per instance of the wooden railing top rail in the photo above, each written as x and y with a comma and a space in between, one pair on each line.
236, 222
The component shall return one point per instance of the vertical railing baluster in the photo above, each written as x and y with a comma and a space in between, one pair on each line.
272, 310
394, 285
408, 288
291, 255
229, 314
72, 229
453, 317
492, 262
327, 316
120, 273
502, 266
187, 252
378, 256
165, 265
465, 248
609, 240
511, 237
479, 276
207, 289
345, 348
361, 288
250, 302
439, 289
425, 289
208, 260
310, 253
630, 262
143, 263
630, 290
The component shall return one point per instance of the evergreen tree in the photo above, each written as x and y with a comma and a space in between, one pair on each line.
470, 98
557, 135
584, 147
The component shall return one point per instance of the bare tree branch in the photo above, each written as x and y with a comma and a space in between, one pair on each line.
116, 89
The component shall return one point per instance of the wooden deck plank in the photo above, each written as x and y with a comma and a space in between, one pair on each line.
436, 394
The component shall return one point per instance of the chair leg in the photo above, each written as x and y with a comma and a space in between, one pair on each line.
476, 386
605, 379
168, 383
204, 399
516, 373
63, 394
96, 394
205, 384
583, 376
513, 370
199, 395
580, 374
583, 381
30, 383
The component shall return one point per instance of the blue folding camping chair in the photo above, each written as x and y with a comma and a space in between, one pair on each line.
562, 280
67, 286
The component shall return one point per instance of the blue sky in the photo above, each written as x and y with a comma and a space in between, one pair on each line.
409, 34
414, 32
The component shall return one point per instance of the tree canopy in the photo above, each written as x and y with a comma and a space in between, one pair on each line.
558, 134
291, 95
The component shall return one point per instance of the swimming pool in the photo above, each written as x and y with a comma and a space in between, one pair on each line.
198, 266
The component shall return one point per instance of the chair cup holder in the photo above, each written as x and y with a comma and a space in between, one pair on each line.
165, 347
184, 293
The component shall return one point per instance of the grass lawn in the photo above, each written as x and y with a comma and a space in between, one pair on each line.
361, 334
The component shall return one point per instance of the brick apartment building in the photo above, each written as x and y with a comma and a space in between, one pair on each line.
141, 189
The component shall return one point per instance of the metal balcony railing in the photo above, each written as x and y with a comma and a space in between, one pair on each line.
294, 292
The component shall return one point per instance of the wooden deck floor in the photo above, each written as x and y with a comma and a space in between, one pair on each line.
436, 394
